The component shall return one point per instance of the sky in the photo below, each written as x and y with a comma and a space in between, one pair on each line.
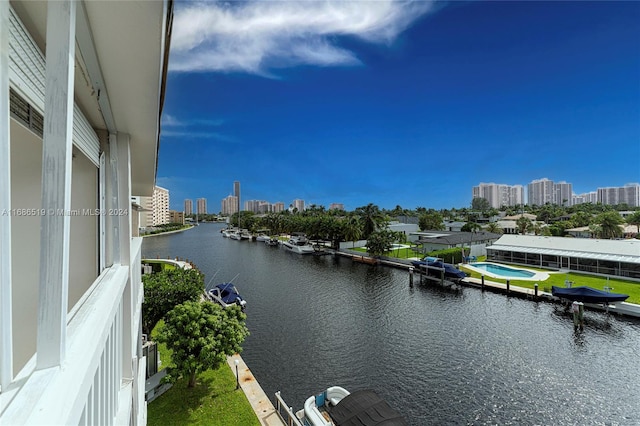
398, 103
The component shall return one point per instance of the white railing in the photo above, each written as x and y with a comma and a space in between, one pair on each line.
86, 388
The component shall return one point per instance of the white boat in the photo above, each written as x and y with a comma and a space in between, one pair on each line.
298, 244
245, 234
235, 235
225, 295
263, 238
338, 406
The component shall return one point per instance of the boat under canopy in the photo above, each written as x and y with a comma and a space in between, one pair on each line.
587, 294
365, 408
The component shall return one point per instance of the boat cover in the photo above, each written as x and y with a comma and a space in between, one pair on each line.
365, 408
587, 294
228, 293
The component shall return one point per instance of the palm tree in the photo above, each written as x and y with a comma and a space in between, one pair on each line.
609, 224
634, 219
352, 229
494, 228
372, 219
524, 224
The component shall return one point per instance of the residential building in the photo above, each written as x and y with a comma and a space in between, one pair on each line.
229, 205
146, 212
188, 207
429, 241
278, 207
236, 193
70, 273
258, 206
336, 206
587, 197
201, 205
594, 256
160, 206
628, 194
298, 205
543, 191
499, 195
176, 217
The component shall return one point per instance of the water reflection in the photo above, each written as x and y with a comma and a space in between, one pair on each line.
442, 356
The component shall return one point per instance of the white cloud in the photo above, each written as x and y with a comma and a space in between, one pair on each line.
256, 36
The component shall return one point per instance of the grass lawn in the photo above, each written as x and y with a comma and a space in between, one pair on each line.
213, 401
557, 279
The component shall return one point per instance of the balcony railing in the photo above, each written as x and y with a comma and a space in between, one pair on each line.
89, 387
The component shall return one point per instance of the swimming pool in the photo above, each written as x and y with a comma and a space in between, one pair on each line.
507, 272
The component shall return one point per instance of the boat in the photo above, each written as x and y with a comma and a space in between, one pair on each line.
434, 267
225, 295
235, 235
298, 243
587, 295
263, 238
245, 234
337, 406
273, 242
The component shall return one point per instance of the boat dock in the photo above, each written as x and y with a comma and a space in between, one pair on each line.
262, 405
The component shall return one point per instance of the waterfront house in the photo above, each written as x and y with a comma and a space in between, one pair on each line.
428, 241
81, 91
618, 258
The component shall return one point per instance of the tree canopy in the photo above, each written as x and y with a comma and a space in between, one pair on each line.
201, 335
166, 289
430, 220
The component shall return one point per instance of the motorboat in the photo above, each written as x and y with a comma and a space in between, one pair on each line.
273, 242
245, 234
336, 406
587, 295
298, 244
263, 238
235, 235
225, 294
434, 267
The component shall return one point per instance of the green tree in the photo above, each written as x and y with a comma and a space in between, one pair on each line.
380, 242
493, 227
608, 224
166, 289
352, 229
372, 219
470, 227
431, 220
480, 204
524, 224
634, 219
201, 335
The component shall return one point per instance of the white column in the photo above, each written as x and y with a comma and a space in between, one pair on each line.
56, 184
113, 204
124, 226
6, 340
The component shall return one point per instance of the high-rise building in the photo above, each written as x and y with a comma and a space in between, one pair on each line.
188, 207
278, 207
160, 206
236, 193
540, 192
499, 195
336, 206
587, 197
563, 194
298, 205
201, 205
229, 205
628, 194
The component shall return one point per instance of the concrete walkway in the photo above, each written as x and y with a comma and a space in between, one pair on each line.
262, 405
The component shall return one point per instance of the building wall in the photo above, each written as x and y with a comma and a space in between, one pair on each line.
160, 206
176, 217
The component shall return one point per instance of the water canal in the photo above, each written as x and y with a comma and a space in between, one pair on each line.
441, 357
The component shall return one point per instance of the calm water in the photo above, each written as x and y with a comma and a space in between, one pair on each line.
441, 357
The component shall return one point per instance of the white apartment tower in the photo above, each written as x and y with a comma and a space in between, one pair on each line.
160, 206
499, 195
229, 205
298, 204
628, 194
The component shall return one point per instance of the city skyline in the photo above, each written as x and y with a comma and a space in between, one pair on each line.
412, 106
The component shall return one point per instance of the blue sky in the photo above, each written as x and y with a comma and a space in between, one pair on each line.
398, 103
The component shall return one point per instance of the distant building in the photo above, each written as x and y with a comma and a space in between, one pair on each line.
176, 217
278, 207
188, 207
628, 194
588, 197
499, 195
236, 193
258, 206
298, 204
336, 206
201, 205
160, 206
229, 205
543, 191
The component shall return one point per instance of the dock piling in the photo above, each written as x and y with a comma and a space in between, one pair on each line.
535, 290
411, 276
508, 286
482, 283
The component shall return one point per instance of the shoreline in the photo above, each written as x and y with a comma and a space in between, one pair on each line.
168, 232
